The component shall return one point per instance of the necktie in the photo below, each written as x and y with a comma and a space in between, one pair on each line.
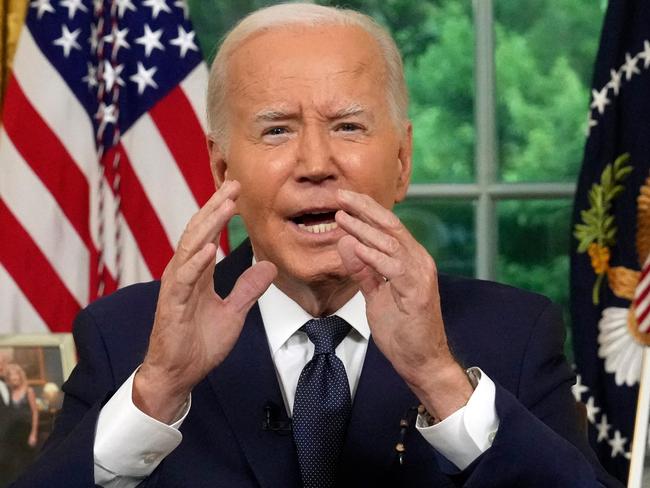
322, 406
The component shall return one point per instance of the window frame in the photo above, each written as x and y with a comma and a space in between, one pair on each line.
487, 190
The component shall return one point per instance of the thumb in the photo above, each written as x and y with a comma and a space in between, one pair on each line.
250, 286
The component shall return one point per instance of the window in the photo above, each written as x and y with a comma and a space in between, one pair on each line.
499, 95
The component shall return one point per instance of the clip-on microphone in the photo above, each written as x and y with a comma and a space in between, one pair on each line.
271, 421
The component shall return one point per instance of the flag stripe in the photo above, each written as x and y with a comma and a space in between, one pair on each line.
640, 317
137, 209
30, 269
640, 295
133, 265
17, 315
42, 218
183, 135
644, 280
157, 171
194, 87
49, 159
52, 99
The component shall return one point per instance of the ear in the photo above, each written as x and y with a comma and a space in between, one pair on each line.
218, 164
404, 158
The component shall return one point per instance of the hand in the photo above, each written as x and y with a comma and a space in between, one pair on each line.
399, 281
194, 329
32, 440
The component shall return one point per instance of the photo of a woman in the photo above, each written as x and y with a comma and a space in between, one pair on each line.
22, 430
33, 367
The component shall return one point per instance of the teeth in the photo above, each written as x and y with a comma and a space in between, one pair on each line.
319, 228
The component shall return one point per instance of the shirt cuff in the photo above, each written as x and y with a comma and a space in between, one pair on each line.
129, 443
468, 432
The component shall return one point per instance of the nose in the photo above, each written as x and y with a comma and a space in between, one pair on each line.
315, 159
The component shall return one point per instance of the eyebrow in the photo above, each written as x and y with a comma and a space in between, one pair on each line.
350, 111
273, 115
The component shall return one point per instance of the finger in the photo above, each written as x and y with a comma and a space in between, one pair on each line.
368, 210
367, 234
224, 196
230, 189
390, 268
250, 286
204, 228
367, 278
187, 275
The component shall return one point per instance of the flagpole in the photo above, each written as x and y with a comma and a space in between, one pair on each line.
640, 437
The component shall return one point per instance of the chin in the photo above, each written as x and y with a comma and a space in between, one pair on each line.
318, 267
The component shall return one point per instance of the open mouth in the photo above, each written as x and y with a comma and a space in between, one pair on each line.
316, 222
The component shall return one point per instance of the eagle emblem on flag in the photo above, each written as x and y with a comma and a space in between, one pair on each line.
623, 331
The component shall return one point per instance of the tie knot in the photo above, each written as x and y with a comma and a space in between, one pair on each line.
326, 333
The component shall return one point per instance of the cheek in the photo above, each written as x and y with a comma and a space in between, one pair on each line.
259, 192
377, 176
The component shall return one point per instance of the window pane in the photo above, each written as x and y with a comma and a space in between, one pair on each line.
445, 229
436, 39
544, 59
440, 76
534, 237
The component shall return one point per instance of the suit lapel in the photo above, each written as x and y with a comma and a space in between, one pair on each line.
381, 401
246, 382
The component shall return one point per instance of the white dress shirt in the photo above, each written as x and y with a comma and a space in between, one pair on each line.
129, 445
4, 393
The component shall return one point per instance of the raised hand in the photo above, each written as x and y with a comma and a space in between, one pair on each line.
399, 281
194, 329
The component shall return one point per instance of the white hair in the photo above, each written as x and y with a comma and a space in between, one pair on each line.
301, 14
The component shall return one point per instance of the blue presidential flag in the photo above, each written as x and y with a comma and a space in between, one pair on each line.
610, 283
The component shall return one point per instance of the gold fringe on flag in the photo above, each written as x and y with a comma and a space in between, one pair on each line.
12, 18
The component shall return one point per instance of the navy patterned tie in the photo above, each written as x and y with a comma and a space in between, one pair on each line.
322, 406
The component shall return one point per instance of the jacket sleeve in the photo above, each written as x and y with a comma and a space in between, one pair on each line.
539, 441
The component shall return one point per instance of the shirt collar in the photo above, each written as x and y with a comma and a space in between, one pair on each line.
283, 317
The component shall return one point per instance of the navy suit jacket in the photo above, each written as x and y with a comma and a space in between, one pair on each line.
514, 336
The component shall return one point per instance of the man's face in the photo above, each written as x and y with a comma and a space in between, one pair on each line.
4, 361
308, 114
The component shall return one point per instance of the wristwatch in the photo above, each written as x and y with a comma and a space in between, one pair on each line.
473, 376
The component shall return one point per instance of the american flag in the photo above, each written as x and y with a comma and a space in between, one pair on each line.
102, 154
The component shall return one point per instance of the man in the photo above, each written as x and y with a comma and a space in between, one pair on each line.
4, 389
335, 317
5, 414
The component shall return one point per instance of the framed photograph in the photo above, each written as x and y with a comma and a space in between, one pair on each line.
32, 369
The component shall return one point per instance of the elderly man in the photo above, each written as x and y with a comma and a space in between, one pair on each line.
300, 359
4, 389
5, 414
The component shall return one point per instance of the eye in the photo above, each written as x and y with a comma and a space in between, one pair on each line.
275, 131
348, 127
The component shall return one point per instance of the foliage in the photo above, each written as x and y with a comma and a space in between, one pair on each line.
596, 233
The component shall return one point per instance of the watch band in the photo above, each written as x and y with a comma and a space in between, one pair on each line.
473, 376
